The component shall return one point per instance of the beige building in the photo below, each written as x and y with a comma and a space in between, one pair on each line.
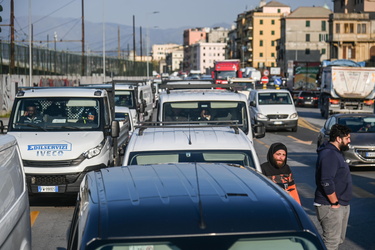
174, 60
258, 31
352, 31
304, 35
160, 52
205, 54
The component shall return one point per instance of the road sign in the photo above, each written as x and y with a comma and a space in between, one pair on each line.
266, 72
277, 81
264, 79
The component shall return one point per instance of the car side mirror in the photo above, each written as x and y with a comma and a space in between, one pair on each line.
252, 104
259, 130
115, 129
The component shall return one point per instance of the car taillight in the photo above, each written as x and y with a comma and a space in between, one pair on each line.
334, 101
315, 98
300, 98
369, 102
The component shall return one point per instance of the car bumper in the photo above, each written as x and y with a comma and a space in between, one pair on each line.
279, 124
360, 157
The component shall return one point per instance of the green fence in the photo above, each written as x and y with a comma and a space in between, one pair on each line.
50, 62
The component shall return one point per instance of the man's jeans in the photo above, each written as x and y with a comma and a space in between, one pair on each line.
334, 222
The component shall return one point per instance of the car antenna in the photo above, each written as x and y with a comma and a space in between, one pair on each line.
202, 224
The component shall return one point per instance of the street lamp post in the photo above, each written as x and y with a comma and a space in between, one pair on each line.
147, 44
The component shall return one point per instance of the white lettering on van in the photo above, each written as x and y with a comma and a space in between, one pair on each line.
49, 153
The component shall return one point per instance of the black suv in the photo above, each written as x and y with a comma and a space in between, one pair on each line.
187, 206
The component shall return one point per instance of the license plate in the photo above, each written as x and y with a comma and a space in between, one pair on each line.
370, 154
48, 189
277, 123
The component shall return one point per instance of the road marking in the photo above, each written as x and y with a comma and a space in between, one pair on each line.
361, 193
264, 144
33, 216
305, 124
300, 141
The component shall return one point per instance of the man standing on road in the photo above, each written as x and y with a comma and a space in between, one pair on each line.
278, 171
334, 187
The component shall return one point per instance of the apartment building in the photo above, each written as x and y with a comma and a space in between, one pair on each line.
205, 54
258, 31
303, 42
352, 30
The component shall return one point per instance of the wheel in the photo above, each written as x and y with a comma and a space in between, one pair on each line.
295, 129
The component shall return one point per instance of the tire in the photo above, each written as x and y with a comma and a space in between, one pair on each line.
294, 129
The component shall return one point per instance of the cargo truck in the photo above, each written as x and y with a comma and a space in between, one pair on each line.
346, 87
223, 70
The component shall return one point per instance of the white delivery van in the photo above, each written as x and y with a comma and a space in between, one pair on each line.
63, 143
15, 228
137, 96
223, 105
182, 142
274, 108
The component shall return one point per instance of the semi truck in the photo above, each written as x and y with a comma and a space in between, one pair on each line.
346, 87
223, 70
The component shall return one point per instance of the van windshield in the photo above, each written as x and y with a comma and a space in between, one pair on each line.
221, 111
243, 158
125, 98
56, 113
274, 98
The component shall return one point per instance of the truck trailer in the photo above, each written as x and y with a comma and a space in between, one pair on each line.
346, 87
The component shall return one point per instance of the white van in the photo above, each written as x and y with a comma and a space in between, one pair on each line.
183, 142
274, 108
63, 144
137, 96
224, 106
15, 228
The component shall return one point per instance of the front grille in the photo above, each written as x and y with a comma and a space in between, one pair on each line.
366, 154
277, 116
52, 180
65, 163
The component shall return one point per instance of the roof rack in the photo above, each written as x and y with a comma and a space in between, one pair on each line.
230, 87
190, 124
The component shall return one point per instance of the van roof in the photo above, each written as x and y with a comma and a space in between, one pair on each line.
201, 95
62, 92
194, 138
175, 199
270, 90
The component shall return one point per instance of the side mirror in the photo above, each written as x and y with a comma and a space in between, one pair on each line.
252, 104
115, 129
3, 128
259, 130
142, 106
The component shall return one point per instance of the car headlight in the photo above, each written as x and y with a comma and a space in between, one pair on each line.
261, 116
294, 116
92, 152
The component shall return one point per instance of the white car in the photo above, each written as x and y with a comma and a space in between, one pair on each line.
274, 108
190, 143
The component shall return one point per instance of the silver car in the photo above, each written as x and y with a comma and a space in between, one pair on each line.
361, 151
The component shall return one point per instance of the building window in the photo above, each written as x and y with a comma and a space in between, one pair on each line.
261, 21
278, 11
307, 37
272, 32
272, 22
323, 51
337, 28
307, 51
272, 54
324, 25
261, 43
260, 54
307, 23
361, 28
348, 28
273, 43
261, 32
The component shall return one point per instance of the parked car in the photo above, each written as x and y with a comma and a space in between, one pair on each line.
15, 227
361, 151
187, 206
307, 98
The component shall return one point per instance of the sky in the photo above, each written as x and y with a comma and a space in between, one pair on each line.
170, 13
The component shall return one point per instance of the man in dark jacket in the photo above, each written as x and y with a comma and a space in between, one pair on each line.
278, 171
333, 187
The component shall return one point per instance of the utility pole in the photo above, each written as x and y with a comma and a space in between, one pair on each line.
83, 61
134, 38
118, 43
12, 46
140, 44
